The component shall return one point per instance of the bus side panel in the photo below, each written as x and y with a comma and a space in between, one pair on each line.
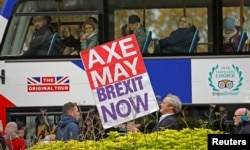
170, 76
47, 84
4, 101
220, 80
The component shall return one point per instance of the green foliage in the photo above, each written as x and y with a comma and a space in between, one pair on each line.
188, 139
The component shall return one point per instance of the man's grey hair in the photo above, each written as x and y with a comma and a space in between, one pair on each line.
175, 102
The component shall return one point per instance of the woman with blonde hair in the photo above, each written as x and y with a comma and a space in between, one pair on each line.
179, 40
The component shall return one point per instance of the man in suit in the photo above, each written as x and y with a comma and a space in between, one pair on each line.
169, 108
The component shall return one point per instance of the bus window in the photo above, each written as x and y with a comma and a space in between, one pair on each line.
162, 18
163, 21
237, 11
62, 13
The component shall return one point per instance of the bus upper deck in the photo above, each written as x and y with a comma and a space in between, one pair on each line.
160, 17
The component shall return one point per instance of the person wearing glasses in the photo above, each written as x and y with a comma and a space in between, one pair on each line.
179, 40
242, 121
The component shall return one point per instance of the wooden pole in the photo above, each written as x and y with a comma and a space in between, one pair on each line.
241, 13
184, 7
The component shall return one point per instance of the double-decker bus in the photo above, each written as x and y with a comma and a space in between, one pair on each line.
208, 76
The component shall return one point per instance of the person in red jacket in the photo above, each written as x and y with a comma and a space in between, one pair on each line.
12, 140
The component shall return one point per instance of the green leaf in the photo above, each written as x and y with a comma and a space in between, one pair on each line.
236, 89
210, 84
240, 73
240, 84
215, 89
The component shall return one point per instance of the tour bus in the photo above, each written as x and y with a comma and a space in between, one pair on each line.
205, 79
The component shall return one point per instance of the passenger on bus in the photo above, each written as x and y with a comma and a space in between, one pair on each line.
90, 37
71, 39
93, 19
12, 140
231, 35
68, 127
242, 121
179, 41
89, 31
134, 27
41, 37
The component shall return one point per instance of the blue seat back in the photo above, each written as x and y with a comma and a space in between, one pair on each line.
243, 38
147, 42
53, 43
194, 42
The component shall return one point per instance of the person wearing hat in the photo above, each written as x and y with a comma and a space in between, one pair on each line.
12, 140
231, 35
134, 27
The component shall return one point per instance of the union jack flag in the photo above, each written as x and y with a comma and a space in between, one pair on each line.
50, 79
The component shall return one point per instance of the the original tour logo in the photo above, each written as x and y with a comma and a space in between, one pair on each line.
225, 80
48, 84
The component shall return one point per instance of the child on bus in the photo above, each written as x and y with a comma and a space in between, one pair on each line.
90, 37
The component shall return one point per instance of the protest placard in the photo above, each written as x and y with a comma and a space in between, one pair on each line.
119, 81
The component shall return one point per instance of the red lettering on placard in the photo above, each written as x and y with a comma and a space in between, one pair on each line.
112, 62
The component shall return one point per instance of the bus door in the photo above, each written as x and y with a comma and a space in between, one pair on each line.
2, 77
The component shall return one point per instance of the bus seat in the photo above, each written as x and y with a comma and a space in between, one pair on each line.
53, 43
243, 38
147, 42
194, 42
